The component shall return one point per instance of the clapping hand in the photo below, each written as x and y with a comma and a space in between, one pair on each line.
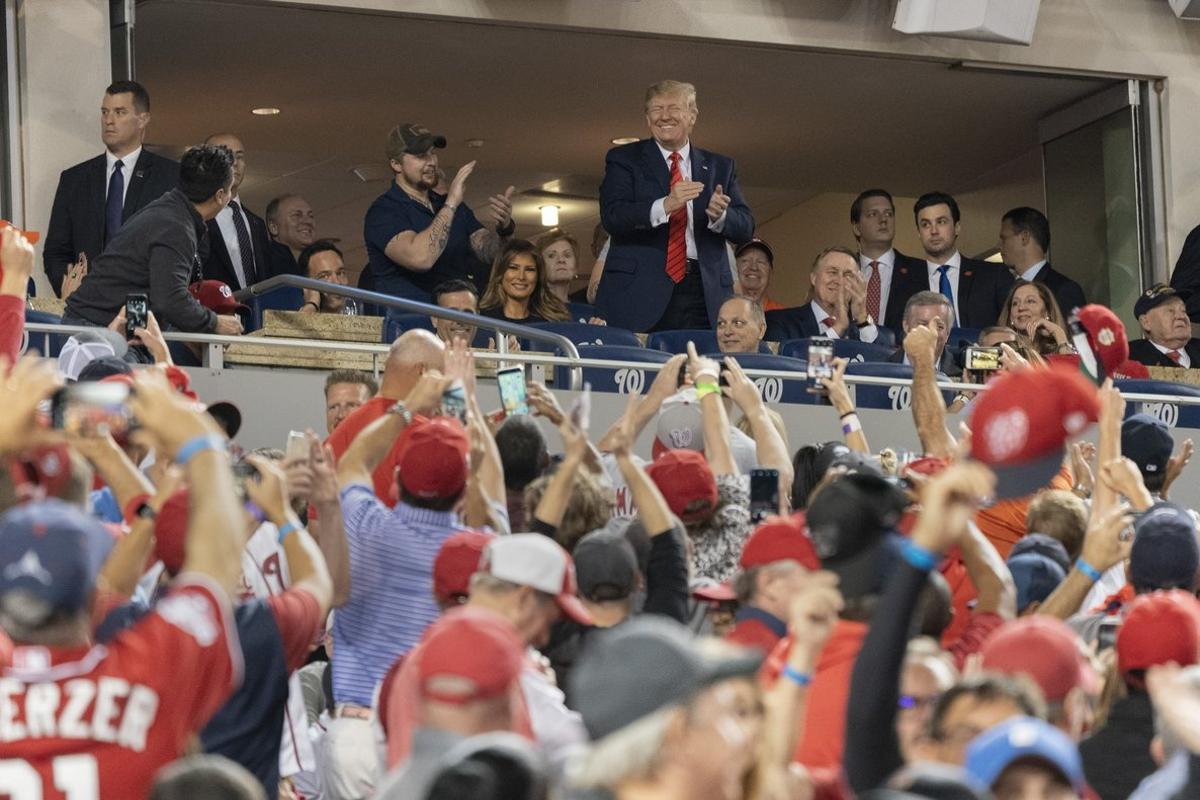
717, 203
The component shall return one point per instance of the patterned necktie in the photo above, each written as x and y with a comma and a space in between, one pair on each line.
874, 291
677, 231
114, 203
1174, 356
944, 286
245, 249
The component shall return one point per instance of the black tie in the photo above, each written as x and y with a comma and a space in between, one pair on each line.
114, 202
244, 246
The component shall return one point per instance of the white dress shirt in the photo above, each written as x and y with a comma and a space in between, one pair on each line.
935, 279
229, 234
886, 263
866, 333
127, 164
1031, 273
1184, 359
658, 216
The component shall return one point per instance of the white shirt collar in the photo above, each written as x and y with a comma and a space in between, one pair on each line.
127, 161
819, 312
887, 259
1032, 272
954, 262
685, 152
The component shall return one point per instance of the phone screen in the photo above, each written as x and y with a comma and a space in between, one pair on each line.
242, 472
91, 408
983, 359
820, 363
297, 447
454, 402
764, 493
511, 382
137, 310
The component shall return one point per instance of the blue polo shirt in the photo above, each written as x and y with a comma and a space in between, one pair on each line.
394, 212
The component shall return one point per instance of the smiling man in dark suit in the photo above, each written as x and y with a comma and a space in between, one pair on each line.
670, 208
237, 240
1024, 242
976, 289
95, 198
837, 306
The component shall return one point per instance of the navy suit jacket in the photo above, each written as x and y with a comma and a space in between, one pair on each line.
909, 276
77, 216
1143, 352
798, 322
218, 266
634, 290
1067, 293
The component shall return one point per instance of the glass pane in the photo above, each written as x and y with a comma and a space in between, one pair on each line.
1091, 200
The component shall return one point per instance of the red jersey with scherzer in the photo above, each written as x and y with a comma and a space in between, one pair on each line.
101, 720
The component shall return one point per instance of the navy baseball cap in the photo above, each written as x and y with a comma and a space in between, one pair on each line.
1147, 441
1035, 576
1165, 552
1155, 296
1044, 545
54, 551
1020, 738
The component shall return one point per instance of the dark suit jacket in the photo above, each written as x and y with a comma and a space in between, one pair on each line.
77, 217
218, 266
982, 289
280, 260
1142, 351
635, 288
909, 276
798, 322
1186, 275
947, 365
1067, 292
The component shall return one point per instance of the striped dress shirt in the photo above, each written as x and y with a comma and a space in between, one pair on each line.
391, 588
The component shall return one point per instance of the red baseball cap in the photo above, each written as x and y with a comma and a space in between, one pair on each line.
170, 532
216, 296
1021, 424
927, 465
1106, 335
1159, 628
433, 457
456, 562
469, 654
41, 472
687, 483
1043, 648
779, 539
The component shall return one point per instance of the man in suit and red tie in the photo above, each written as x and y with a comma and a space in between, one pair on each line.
890, 276
670, 208
237, 240
976, 289
1168, 342
837, 306
1024, 242
95, 198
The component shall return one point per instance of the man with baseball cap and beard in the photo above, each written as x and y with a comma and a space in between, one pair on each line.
528, 581
417, 238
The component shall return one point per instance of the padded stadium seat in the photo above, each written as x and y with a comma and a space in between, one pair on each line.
1173, 414
962, 337
48, 344
396, 324
897, 398
581, 312
677, 341
285, 298
842, 348
777, 390
620, 381
581, 334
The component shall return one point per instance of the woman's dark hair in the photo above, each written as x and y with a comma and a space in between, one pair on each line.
805, 473
204, 170
542, 303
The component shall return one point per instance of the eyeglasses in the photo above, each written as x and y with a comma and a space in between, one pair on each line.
909, 702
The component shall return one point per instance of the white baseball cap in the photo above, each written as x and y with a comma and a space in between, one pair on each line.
85, 347
539, 562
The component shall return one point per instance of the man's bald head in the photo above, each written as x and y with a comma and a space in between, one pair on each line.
412, 353
239, 155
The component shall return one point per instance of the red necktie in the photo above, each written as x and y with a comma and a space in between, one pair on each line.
677, 233
1173, 355
828, 322
874, 291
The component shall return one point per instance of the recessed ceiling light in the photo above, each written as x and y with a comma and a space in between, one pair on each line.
549, 215
625, 140
265, 111
474, 142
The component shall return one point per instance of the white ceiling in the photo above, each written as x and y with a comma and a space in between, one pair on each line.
548, 102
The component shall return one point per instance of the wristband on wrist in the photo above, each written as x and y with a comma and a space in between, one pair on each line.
850, 424
1087, 569
706, 388
918, 556
850, 413
797, 677
205, 441
311, 303
286, 528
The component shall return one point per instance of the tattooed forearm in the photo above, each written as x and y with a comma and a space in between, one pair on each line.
486, 244
439, 231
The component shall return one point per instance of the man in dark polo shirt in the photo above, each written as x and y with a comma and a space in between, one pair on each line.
155, 252
417, 238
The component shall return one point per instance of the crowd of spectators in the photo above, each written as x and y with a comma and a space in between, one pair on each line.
438, 600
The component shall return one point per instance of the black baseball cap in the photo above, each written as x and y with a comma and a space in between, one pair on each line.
1155, 296
606, 567
1147, 441
106, 366
852, 523
412, 139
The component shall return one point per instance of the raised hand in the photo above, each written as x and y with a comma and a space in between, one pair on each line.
501, 208
699, 365
1108, 539
454, 195
270, 491
813, 613
839, 395
543, 403
31, 381
1176, 464
682, 193
169, 417
740, 388
426, 397
717, 203
16, 256
920, 345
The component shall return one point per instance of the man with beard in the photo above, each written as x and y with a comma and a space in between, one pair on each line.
417, 238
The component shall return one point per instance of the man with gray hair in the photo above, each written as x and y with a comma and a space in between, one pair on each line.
293, 227
741, 325
932, 309
670, 209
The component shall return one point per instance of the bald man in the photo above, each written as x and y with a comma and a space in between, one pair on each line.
237, 239
411, 355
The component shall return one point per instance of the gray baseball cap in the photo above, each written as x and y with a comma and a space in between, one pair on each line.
640, 666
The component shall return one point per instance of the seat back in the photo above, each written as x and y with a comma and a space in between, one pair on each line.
396, 324
581, 312
581, 334
778, 390
897, 398
1172, 414
283, 298
848, 349
677, 341
618, 381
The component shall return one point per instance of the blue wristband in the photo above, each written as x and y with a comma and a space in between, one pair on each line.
1087, 569
797, 677
199, 444
288, 527
918, 556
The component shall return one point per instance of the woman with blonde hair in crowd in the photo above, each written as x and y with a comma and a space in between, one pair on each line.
560, 255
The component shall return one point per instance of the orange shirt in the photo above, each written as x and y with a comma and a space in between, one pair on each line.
1004, 523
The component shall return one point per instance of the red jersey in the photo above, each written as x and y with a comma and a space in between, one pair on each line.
384, 477
101, 720
12, 328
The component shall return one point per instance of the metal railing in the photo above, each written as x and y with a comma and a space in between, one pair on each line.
416, 307
216, 343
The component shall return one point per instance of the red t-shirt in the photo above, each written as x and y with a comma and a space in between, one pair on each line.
384, 477
12, 326
753, 633
99, 721
298, 617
